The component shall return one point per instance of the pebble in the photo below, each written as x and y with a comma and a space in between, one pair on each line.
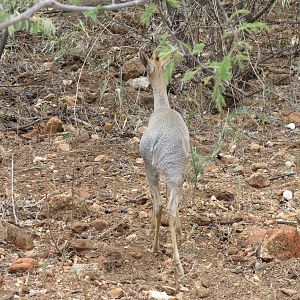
287, 195
137, 254
155, 295
117, 293
291, 126
258, 180
143, 215
85, 269
288, 163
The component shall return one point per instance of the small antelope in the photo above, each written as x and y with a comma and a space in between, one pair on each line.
164, 147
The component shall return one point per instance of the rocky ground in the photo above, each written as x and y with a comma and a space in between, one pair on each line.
75, 205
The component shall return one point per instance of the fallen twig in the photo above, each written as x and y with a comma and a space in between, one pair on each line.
23, 127
278, 176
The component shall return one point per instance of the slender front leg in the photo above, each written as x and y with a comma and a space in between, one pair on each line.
153, 180
174, 223
176, 257
158, 213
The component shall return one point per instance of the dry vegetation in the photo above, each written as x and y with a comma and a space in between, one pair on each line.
78, 197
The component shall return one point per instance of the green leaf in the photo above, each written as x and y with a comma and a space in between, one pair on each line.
223, 68
148, 13
189, 75
217, 95
252, 27
92, 13
198, 48
42, 25
169, 70
174, 3
242, 11
240, 58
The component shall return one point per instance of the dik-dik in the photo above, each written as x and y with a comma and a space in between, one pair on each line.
164, 147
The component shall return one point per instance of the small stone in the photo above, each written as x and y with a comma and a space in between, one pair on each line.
288, 164
142, 129
23, 265
155, 295
201, 291
256, 166
84, 194
184, 289
258, 180
168, 289
67, 82
139, 160
53, 125
240, 170
78, 226
291, 126
101, 157
252, 236
288, 195
143, 215
86, 269
108, 127
131, 237
83, 244
211, 168
117, 293
294, 117
140, 83
168, 263
289, 292
63, 147
132, 68
137, 254
297, 195
39, 159
95, 137
228, 159
255, 147
99, 225
135, 140
60, 201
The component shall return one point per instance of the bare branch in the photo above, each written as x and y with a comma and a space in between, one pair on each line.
64, 7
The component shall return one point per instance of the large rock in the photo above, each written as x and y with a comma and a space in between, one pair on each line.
53, 126
132, 68
23, 265
258, 180
19, 237
83, 244
280, 243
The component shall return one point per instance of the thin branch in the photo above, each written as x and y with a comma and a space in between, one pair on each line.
251, 18
64, 7
187, 52
13, 203
3, 42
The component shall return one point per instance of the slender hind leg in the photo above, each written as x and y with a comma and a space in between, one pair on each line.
178, 224
174, 223
153, 180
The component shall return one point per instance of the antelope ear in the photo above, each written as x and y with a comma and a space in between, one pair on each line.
146, 62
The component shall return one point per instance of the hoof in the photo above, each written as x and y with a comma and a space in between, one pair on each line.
179, 269
155, 248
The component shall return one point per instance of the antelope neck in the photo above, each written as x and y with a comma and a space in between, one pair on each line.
160, 95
